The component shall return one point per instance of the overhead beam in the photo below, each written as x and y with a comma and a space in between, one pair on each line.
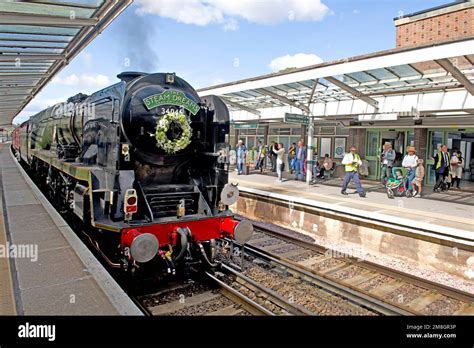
11, 18
30, 57
16, 39
313, 89
20, 76
20, 87
352, 91
284, 100
25, 46
240, 106
447, 65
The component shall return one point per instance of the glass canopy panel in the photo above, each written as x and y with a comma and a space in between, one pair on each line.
381, 74
253, 93
277, 89
348, 80
49, 39
403, 71
297, 86
307, 83
46, 9
396, 84
361, 77
38, 30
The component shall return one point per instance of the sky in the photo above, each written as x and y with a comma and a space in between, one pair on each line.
209, 42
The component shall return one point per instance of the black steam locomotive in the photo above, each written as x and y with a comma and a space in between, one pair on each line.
144, 164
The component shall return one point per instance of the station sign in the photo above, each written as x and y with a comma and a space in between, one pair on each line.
389, 116
245, 125
296, 118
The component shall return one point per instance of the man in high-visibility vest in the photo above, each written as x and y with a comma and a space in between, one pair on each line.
352, 161
442, 161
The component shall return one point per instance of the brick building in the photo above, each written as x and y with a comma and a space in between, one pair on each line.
443, 23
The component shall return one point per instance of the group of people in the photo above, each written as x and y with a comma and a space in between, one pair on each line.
448, 168
275, 153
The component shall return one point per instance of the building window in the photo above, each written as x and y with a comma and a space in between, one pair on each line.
296, 131
325, 147
273, 131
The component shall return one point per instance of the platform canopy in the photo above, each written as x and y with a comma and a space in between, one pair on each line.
39, 38
431, 82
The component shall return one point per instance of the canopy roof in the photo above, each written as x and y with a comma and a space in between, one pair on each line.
37, 39
360, 85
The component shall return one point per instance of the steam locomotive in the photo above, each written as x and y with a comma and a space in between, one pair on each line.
144, 164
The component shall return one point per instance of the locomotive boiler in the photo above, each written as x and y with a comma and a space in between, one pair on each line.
144, 164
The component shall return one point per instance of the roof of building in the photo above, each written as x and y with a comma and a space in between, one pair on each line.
437, 10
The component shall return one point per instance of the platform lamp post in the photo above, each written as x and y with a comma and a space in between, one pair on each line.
309, 151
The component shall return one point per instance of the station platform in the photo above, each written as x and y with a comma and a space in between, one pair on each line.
45, 269
454, 218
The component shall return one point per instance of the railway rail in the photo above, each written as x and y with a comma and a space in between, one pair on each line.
375, 283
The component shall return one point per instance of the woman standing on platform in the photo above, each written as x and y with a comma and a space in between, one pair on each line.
456, 168
417, 183
280, 153
410, 161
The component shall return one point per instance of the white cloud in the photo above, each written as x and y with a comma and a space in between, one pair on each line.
83, 81
226, 12
296, 61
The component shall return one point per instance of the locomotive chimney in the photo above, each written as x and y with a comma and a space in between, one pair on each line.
128, 76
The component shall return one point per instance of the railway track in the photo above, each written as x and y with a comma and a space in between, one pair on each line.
308, 293
400, 292
212, 295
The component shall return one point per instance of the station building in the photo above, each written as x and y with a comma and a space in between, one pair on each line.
420, 94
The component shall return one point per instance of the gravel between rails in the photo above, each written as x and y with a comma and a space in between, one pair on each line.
206, 307
405, 294
444, 306
173, 294
327, 264
285, 249
348, 272
307, 295
375, 282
